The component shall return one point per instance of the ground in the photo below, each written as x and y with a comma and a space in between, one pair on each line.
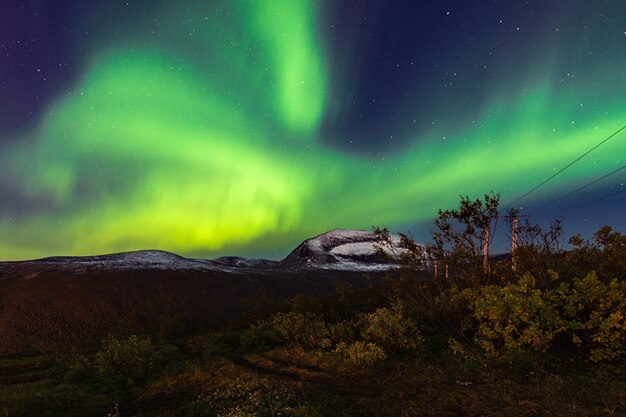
210, 375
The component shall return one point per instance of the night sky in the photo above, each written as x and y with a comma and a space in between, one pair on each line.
243, 127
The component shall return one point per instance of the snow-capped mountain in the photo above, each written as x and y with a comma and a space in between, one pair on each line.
342, 250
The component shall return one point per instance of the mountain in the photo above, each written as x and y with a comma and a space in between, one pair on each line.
342, 250
56, 302
145, 259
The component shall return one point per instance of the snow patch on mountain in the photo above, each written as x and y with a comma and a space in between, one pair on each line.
344, 250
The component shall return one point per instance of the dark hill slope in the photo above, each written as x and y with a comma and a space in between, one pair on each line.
56, 302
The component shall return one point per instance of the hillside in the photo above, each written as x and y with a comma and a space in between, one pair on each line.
58, 301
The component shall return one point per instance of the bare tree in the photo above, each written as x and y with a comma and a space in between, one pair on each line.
463, 237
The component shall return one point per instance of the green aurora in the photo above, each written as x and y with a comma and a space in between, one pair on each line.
222, 153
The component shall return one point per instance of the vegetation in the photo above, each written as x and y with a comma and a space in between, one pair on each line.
124, 362
542, 332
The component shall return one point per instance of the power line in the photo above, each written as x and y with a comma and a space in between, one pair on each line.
569, 165
578, 189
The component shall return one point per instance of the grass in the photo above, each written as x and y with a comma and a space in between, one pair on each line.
210, 375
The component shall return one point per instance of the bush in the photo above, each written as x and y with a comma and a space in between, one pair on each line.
596, 314
362, 354
586, 314
604, 254
125, 362
515, 316
298, 329
390, 329
301, 329
260, 336
344, 331
75, 367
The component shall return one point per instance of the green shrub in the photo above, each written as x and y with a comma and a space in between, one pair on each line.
75, 367
344, 331
307, 330
391, 329
596, 314
515, 316
362, 354
260, 336
585, 314
125, 362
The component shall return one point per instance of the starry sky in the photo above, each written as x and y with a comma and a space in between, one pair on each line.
243, 127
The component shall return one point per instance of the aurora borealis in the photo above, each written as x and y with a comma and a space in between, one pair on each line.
243, 127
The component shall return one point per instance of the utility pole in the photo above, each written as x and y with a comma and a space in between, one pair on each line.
486, 249
514, 243
514, 232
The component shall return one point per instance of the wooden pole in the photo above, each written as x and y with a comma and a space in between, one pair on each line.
514, 244
486, 250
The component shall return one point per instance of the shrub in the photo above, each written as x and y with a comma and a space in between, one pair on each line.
586, 314
260, 336
604, 254
344, 331
75, 367
301, 329
362, 354
596, 314
125, 362
391, 329
515, 316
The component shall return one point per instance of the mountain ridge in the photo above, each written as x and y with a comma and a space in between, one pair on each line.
335, 249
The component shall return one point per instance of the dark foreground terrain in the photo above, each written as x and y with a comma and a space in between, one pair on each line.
328, 331
212, 374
